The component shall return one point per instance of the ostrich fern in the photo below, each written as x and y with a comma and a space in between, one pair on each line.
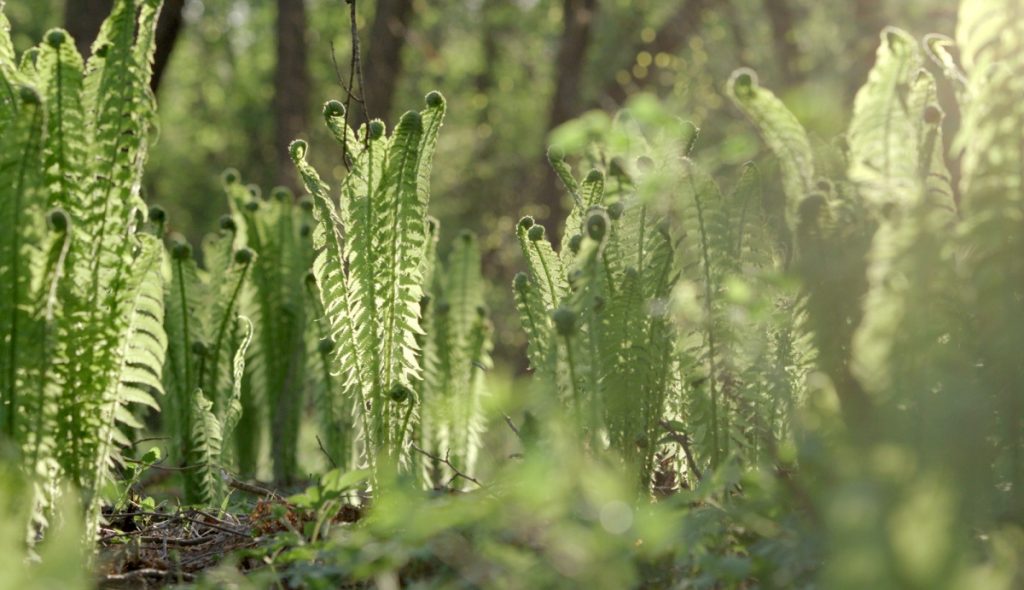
636, 322
205, 359
914, 302
369, 269
80, 296
590, 312
276, 298
454, 357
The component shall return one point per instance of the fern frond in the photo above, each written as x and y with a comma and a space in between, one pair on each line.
61, 69
137, 359
203, 480
21, 159
340, 307
883, 134
781, 131
544, 265
7, 55
232, 412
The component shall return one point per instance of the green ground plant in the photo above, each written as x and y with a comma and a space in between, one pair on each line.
276, 298
371, 252
208, 341
808, 376
80, 285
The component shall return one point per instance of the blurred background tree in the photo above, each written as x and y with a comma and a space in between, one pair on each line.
237, 79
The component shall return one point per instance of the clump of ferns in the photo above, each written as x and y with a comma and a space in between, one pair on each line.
81, 305
724, 322
456, 347
743, 355
595, 314
913, 300
205, 364
277, 297
370, 254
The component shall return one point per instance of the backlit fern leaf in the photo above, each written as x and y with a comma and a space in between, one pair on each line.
883, 134
370, 268
990, 35
61, 67
781, 131
205, 448
455, 354
21, 214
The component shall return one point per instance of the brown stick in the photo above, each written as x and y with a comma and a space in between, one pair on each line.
445, 461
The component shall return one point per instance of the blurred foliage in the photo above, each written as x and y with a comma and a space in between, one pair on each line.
216, 97
920, 489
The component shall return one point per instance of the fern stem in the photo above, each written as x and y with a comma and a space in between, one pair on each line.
547, 273
12, 351
222, 328
712, 377
569, 358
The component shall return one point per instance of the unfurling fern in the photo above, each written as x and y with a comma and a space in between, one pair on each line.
595, 314
206, 358
454, 357
80, 304
369, 269
663, 310
276, 299
914, 303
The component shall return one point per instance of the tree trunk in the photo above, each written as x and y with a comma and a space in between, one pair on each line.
168, 28
572, 53
870, 17
782, 20
382, 66
291, 87
672, 35
578, 17
82, 19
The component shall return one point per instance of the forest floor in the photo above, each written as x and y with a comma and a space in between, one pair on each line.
140, 549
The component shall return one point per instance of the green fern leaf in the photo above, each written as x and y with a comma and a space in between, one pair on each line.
781, 131
883, 132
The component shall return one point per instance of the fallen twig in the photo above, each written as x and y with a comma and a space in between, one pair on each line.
324, 451
684, 442
447, 462
148, 573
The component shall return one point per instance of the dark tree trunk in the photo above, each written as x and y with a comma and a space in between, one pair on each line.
672, 35
382, 66
168, 28
572, 53
870, 18
486, 77
291, 87
82, 18
782, 20
578, 17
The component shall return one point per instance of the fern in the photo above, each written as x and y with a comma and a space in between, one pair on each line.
205, 359
454, 357
276, 300
783, 134
883, 135
371, 280
590, 314
990, 37
76, 139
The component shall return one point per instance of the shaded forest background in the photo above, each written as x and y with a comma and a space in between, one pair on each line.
236, 80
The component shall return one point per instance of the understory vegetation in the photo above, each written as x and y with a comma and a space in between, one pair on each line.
803, 374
